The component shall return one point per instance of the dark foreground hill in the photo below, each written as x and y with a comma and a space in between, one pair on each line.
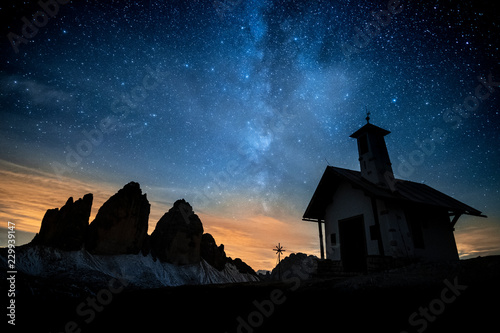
453, 297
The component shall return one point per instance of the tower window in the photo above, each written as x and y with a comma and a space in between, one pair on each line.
333, 239
363, 144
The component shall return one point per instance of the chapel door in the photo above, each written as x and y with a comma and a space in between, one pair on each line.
353, 244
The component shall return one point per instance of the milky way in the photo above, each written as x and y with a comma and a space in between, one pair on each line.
240, 105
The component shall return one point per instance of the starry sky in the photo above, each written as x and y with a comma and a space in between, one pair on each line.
239, 105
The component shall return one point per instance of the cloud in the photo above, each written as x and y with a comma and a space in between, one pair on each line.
27, 193
248, 233
242, 225
37, 92
22, 237
478, 239
253, 237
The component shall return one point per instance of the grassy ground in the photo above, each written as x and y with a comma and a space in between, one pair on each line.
461, 297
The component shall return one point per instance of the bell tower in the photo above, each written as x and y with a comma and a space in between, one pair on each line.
373, 156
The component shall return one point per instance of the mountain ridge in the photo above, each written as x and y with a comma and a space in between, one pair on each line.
116, 245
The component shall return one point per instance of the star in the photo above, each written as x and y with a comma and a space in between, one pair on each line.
229, 107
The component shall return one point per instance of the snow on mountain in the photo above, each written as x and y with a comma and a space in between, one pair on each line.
137, 270
70, 252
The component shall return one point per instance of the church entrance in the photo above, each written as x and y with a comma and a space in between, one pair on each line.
353, 244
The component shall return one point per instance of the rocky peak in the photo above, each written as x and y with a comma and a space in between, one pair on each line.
121, 224
213, 254
66, 228
177, 236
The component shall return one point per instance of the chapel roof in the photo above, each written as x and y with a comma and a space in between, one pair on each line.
405, 191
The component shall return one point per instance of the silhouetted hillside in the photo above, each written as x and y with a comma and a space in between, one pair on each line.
456, 297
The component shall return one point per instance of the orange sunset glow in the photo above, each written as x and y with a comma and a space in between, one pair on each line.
250, 166
27, 194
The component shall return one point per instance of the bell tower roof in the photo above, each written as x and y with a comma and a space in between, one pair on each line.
369, 128
374, 159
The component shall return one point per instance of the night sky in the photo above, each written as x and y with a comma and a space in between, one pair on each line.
239, 105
